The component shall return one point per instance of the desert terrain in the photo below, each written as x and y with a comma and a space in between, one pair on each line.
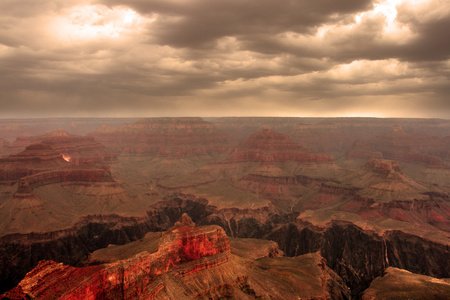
214, 208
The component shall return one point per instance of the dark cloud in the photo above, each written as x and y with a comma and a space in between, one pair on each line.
248, 57
197, 23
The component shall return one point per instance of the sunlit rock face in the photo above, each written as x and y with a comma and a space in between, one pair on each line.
177, 137
190, 263
401, 284
135, 278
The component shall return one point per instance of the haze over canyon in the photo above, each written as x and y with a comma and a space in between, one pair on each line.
213, 208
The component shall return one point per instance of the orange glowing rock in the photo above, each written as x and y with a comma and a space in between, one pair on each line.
134, 278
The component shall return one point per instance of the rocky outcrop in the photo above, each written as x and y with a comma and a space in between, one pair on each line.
79, 150
359, 256
139, 277
191, 262
382, 166
34, 153
356, 255
40, 164
177, 137
269, 146
255, 248
34, 159
69, 246
401, 284
28, 183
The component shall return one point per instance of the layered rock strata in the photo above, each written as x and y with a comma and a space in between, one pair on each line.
191, 262
176, 137
34, 159
400, 145
79, 150
269, 146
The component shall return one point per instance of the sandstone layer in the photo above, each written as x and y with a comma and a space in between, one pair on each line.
79, 150
191, 262
177, 137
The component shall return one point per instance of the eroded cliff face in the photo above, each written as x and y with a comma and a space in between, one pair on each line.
69, 246
28, 183
359, 256
34, 159
397, 144
79, 150
356, 255
191, 262
175, 137
135, 278
269, 146
40, 164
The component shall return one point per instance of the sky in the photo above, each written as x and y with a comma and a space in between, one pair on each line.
296, 58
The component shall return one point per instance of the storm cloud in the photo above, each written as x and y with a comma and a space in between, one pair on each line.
387, 58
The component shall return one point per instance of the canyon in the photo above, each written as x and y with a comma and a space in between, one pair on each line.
335, 206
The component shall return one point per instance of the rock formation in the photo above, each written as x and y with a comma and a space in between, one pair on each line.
400, 145
176, 137
4, 147
34, 159
191, 262
401, 284
39, 164
269, 146
79, 150
340, 221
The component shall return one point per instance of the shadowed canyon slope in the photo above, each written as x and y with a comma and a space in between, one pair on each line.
189, 262
342, 200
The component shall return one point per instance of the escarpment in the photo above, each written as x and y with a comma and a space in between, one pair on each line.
303, 213
79, 150
269, 146
397, 144
190, 262
358, 256
28, 183
175, 137
34, 159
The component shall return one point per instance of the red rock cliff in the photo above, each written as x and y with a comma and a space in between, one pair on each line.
135, 278
75, 148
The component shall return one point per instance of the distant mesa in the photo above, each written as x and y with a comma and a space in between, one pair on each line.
35, 158
270, 146
40, 164
400, 145
269, 140
79, 150
177, 137
383, 166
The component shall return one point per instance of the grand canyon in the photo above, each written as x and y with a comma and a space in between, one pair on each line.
225, 208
